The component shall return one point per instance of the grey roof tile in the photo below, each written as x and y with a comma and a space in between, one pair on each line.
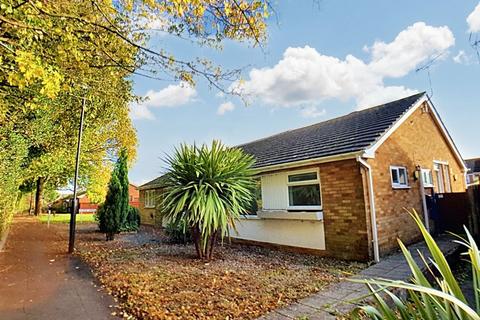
350, 133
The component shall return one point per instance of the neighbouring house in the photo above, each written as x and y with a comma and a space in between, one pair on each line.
473, 173
63, 204
340, 187
149, 198
133, 195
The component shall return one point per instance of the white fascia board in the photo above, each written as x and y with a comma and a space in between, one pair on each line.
370, 151
446, 135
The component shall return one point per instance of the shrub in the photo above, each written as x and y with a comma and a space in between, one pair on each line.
178, 232
439, 299
208, 188
132, 221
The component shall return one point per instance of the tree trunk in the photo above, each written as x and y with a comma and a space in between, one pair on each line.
197, 242
213, 239
31, 204
38, 195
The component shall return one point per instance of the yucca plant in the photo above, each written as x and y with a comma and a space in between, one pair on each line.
208, 188
441, 298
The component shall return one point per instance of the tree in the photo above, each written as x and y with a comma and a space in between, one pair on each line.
115, 214
111, 212
208, 188
53, 53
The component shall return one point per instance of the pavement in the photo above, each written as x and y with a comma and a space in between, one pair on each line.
39, 280
341, 298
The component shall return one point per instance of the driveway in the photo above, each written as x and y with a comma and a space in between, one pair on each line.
39, 280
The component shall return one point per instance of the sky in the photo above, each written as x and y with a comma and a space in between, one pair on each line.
322, 59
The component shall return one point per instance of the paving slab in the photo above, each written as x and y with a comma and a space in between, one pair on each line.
343, 297
39, 280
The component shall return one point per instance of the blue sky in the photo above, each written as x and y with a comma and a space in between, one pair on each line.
322, 59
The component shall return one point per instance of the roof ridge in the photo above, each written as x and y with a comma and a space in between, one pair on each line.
420, 94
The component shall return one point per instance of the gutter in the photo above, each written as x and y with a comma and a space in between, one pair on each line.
373, 214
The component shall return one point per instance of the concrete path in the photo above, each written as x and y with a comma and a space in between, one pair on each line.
340, 298
38, 280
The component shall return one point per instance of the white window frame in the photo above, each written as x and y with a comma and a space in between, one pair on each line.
149, 201
397, 185
427, 172
442, 169
303, 183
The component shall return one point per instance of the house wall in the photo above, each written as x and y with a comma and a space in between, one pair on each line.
133, 195
341, 233
148, 215
418, 141
292, 233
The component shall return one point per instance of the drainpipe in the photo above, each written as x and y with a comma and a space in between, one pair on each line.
373, 215
424, 200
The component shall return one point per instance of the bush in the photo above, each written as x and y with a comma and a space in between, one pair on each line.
100, 218
178, 232
132, 221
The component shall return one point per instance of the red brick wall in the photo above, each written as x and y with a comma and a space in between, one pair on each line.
344, 212
418, 141
134, 195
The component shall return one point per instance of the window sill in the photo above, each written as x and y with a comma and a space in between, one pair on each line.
285, 215
401, 187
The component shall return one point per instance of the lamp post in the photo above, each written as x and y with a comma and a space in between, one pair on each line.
74, 207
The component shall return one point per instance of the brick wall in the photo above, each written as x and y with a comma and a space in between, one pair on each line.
344, 210
147, 215
418, 141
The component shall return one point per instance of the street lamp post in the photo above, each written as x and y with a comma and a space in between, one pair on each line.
74, 207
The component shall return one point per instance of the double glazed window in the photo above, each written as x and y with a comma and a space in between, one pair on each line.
304, 191
399, 177
427, 178
150, 199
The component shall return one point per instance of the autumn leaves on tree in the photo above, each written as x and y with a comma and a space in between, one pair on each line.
53, 53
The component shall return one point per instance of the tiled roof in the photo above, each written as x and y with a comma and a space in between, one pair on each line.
473, 165
350, 133
155, 183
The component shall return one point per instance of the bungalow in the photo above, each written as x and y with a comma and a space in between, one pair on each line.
473, 174
340, 187
149, 198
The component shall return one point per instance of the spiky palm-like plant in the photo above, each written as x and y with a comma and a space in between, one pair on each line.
208, 187
441, 299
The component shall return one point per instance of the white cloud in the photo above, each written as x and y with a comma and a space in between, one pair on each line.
473, 19
312, 112
139, 111
462, 58
170, 96
225, 107
304, 77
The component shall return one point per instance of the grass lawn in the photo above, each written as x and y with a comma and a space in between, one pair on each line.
152, 279
65, 218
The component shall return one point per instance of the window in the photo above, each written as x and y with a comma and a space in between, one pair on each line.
442, 176
304, 191
399, 177
427, 178
150, 199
